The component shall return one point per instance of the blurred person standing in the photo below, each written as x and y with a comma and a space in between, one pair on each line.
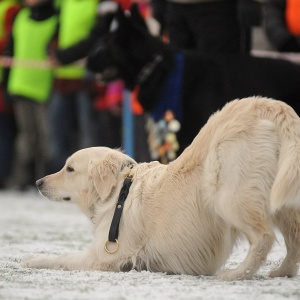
208, 27
30, 88
282, 23
108, 102
71, 103
8, 11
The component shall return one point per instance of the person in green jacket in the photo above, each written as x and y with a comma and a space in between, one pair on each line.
29, 86
71, 109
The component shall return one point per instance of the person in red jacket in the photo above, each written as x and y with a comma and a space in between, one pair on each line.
8, 11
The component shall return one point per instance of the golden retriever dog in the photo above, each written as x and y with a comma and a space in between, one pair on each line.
239, 177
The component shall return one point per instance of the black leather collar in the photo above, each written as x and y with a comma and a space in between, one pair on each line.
114, 227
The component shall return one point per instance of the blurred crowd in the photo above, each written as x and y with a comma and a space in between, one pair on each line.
51, 105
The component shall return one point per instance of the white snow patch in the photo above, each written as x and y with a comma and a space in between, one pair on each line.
30, 224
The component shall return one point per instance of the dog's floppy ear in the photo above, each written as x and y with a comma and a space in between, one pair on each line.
104, 173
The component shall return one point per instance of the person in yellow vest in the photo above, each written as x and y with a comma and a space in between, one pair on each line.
71, 103
108, 125
30, 87
282, 23
8, 11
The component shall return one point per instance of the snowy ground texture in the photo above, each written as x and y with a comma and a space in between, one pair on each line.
30, 224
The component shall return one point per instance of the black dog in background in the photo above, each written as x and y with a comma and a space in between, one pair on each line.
192, 85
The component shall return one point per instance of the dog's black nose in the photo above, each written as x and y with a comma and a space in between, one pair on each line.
39, 183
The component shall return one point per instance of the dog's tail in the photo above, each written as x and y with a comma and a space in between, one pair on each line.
286, 187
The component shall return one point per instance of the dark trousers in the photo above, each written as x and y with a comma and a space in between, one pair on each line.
7, 138
211, 27
32, 141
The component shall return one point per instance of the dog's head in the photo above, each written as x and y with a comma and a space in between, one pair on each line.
125, 50
89, 175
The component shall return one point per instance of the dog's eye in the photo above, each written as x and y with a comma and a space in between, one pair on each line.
70, 169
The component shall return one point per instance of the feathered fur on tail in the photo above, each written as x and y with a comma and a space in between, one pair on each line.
286, 187
285, 190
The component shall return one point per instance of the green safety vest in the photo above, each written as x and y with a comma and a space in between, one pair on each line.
76, 20
31, 39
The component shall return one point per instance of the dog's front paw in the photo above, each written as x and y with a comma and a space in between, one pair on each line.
282, 272
26, 261
234, 274
31, 261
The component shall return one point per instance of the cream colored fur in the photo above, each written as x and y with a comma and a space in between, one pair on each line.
239, 177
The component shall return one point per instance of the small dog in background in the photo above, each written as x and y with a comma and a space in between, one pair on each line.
239, 177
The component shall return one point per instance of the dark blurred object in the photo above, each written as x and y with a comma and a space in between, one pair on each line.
81, 49
8, 11
277, 19
250, 13
230, 21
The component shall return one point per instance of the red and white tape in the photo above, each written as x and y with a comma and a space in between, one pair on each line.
7, 62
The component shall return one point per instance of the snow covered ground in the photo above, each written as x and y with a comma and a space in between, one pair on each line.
30, 224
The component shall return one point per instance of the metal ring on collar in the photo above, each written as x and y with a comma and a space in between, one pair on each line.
111, 251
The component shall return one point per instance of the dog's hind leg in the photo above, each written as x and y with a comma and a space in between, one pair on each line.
288, 222
247, 170
252, 221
